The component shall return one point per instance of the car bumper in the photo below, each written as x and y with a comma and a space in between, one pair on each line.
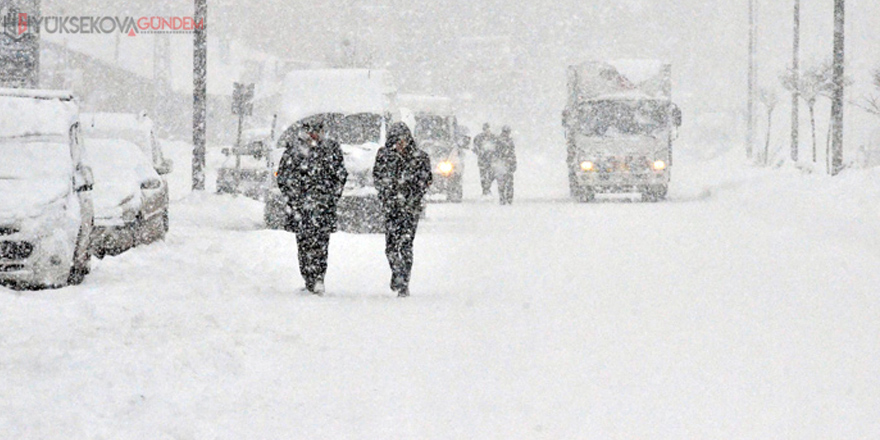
47, 264
112, 240
622, 181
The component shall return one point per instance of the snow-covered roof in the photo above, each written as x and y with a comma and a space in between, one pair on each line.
348, 91
36, 113
426, 103
649, 78
62, 95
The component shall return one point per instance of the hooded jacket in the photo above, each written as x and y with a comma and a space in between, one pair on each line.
401, 179
312, 176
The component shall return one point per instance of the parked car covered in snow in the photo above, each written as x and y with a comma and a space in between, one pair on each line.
46, 208
131, 197
135, 128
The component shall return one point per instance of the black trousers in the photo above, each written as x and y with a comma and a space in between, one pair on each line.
400, 232
505, 188
312, 250
487, 174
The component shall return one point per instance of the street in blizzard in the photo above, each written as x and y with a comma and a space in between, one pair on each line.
462, 220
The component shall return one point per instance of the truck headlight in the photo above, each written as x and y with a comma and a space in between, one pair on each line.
445, 168
659, 165
587, 166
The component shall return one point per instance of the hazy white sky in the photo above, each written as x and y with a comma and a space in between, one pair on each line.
706, 40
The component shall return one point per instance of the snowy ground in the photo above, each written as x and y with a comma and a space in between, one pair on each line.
746, 307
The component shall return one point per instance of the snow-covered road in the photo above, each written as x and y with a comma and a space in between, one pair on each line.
703, 317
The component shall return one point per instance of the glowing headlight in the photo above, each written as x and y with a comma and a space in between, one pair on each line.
445, 168
659, 165
587, 166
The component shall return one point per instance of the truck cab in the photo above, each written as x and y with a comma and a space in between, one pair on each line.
620, 125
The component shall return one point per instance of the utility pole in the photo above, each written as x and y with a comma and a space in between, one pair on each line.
796, 76
839, 86
200, 93
753, 79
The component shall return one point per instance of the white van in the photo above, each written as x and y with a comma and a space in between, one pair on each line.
46, 212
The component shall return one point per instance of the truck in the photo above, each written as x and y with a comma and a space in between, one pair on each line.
357, 106
620, 124
436, 131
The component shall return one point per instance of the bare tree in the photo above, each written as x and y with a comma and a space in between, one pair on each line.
871, 103
769, 99
814, 81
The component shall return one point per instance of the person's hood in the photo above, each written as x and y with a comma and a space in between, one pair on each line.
399, 131
25, 198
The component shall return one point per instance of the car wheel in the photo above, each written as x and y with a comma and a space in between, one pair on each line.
586, 194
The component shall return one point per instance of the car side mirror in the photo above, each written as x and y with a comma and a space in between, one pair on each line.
151, 184
83, 179
166, 167
225, 151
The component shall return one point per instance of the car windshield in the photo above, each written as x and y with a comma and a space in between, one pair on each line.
117, 160
359, 129
141, 138
35, 158
432, 127
608, 118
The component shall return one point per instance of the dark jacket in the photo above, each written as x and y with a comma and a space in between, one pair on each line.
312, 177
401, 179
484, 146
506, 154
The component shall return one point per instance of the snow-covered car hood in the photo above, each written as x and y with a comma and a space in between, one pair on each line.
24, 198
118, 167
33, 174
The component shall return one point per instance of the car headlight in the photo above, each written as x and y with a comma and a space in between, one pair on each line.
659, 165
587, 166
445, 168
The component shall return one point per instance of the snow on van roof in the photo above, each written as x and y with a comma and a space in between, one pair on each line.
427, 103
40, 113
347, 91
92, 122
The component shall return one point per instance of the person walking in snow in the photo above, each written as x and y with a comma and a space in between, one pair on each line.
402, 175
504, 166
311, 175
484, 148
